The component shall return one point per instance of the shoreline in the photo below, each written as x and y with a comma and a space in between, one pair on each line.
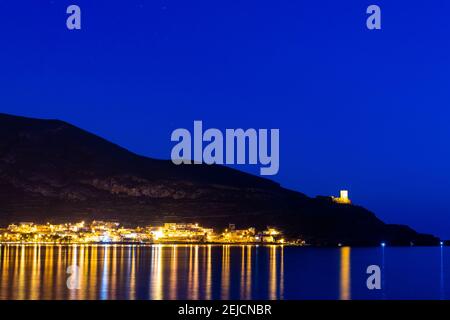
152, 244
187, 244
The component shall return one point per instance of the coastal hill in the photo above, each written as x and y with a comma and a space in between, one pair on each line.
53, 171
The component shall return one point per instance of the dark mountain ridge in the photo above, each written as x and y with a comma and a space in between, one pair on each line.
53, 171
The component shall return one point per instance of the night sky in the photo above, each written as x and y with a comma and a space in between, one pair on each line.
357, 109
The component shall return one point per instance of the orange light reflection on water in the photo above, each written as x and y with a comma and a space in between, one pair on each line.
132, 272
345, 275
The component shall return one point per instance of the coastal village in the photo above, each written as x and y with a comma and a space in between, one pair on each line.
112, 232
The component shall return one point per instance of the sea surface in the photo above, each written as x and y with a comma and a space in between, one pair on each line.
171, 272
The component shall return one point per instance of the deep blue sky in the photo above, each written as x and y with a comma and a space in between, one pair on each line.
357, 109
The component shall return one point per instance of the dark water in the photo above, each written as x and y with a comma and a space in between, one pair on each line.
220, 272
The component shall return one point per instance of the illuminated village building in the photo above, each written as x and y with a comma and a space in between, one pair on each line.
173, 232
99, 226
271, 235
231, 235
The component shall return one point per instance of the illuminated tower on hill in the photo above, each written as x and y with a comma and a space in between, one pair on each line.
343, 199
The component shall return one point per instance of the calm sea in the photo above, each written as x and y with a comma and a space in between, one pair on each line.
219, 272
